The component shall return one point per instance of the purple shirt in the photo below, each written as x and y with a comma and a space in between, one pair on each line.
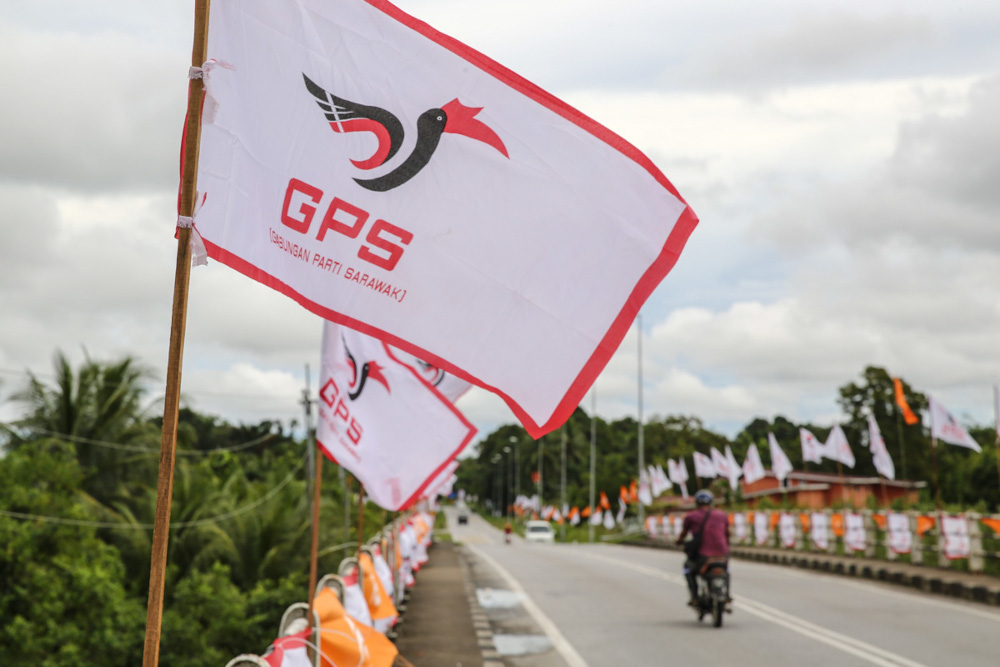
715, 537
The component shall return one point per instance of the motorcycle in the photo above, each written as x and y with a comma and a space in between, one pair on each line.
713, 592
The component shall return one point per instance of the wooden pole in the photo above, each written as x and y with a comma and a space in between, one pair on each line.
178, 323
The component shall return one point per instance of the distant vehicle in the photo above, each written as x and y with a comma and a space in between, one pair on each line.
539, 531
463, 518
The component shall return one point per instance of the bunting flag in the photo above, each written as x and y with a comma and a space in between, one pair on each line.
904, 407
945, 427
609, 520
597, 517
761, 527
898, 534
780, 465
880, 455
812, 450
622, 507
574, 516
753, 468
392, 179
382, 610
786, 530
733, 470
605, 503
704, 466
633, 493
956, 536
854, 532
290, 650
819, 530
740, 527
585, 512
344, 641
837, 448
381, 421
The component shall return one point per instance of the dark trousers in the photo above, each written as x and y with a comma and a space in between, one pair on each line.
692, 567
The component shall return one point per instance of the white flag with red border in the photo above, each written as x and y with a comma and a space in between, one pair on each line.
753, 468
780, 465
383, 422
945, 427
837, 448
392, 179
812, 450
880, 454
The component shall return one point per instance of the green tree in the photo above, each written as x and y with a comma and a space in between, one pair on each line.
62, 601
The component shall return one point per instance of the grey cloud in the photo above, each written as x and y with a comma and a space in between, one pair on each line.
101, 112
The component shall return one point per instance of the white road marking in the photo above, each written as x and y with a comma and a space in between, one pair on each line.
565, 649
855, 647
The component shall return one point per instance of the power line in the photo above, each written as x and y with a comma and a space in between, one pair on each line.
148, 526
154, 450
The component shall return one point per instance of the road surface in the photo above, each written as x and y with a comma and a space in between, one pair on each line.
600, 604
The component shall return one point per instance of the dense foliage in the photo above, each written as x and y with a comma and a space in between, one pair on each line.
78, 478
967, 478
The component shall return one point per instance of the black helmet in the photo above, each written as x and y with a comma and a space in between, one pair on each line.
704, 497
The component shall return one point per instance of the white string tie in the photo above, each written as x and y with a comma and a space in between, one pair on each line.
211, 106
199, 254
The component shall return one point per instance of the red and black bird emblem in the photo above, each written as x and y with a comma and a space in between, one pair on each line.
453, 118
369, 370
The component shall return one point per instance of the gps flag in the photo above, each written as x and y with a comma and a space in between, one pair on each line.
945, 427
383, 422
392, 179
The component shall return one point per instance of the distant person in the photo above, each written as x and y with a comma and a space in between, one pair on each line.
713, 526
506, 532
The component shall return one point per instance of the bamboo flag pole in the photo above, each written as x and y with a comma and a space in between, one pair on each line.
934, 470
178, 322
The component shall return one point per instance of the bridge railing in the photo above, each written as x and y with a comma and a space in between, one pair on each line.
968, 541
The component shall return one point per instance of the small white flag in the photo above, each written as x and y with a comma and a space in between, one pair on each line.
704, 467
733, 470
753, 468
812, 450
837, 448
945, 427
780, 464
720, 462
880, 455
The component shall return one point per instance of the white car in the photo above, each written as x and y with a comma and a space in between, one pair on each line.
539, 531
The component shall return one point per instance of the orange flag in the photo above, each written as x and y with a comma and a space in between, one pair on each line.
345, 641
605, 503
924, 523
908, 415
994, 524
837, 524
380, 605
806, 522
585, 512
879, 520
633, 493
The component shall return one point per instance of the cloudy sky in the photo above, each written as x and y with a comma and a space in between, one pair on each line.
844, 159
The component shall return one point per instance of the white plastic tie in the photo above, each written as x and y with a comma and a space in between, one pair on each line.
199, 254
211, 106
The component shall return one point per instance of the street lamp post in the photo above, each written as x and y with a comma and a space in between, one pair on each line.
506, 487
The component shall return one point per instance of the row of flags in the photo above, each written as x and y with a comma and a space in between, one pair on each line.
792, 529
354, 621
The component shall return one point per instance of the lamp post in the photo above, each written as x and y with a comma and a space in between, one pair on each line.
593, 456
506, 487
496, 484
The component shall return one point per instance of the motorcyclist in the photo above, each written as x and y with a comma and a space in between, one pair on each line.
714, 538
506, 532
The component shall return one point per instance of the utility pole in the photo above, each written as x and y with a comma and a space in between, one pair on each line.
562, 487
642, 463
593, 456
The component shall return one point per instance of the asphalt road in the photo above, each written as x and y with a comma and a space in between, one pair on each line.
598, 604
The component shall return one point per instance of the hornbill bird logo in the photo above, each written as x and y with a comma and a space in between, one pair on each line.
370, 369
453, 118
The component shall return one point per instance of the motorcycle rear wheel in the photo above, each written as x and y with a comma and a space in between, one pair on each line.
718, 609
